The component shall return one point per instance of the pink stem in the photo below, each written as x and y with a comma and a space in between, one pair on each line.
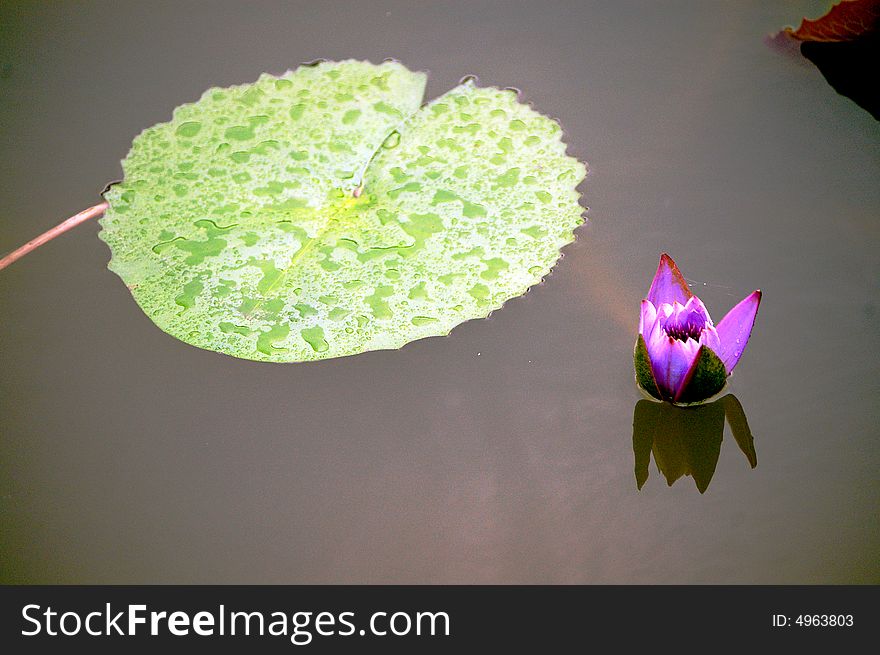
47, 236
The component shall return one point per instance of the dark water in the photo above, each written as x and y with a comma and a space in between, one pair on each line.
505, 452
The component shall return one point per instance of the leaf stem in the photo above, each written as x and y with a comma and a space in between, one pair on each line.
45, 237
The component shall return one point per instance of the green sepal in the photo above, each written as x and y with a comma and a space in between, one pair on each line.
644, 372
707, 380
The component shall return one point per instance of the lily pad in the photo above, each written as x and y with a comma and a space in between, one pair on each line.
325, 213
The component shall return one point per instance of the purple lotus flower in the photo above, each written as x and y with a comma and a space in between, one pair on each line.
680, 355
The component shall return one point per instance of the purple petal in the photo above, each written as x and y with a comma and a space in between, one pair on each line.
671, 360
688, 375
647, 318
655, 337
709, 338
735, 328
698, 311
669, 285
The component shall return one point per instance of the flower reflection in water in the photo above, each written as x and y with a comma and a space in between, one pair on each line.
687, 440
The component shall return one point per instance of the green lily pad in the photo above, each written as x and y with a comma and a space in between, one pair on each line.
323, 213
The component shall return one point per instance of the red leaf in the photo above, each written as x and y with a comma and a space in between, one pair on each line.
844, 44
845, 21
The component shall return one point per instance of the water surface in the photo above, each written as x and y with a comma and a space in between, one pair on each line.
504, 452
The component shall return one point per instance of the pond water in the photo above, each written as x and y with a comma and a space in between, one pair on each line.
504, 452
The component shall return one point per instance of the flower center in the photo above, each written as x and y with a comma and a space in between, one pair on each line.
688, 326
